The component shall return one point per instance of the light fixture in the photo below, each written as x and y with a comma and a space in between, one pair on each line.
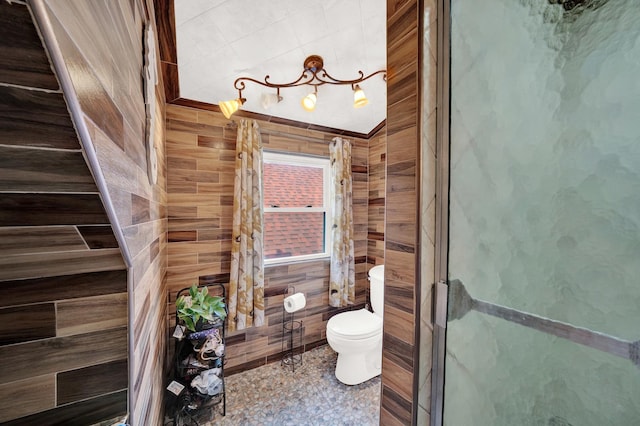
309, 101
359, 99
230, 107
268, 99
313, 75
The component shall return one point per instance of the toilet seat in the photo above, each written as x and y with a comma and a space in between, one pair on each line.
355, 325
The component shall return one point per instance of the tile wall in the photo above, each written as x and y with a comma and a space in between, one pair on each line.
377, 187
410, 212
101, 42
201, 156
63, 309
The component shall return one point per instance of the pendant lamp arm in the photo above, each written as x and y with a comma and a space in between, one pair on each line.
309, 77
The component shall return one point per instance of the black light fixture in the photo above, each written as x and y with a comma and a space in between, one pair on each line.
313, 75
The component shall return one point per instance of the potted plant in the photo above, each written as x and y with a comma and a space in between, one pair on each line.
199, 308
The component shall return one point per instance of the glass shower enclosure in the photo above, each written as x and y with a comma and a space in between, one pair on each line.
543, 323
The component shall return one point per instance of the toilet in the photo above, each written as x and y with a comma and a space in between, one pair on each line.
357, 336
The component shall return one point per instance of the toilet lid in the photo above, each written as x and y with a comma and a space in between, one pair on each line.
355, 324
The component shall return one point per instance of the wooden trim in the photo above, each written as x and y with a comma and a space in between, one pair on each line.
443, 115
418, 212
376, 129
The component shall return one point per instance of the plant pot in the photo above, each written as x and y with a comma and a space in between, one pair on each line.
204, 324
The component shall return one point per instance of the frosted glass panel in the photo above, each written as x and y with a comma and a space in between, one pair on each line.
500, 373
545, 208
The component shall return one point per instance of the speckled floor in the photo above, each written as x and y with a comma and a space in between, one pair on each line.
274, 395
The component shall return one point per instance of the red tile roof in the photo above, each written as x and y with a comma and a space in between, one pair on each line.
292, 233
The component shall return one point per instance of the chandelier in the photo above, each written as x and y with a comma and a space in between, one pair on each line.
313, 75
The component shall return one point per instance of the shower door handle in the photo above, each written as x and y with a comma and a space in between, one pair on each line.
462, 303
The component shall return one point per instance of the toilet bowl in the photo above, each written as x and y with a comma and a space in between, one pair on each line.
357, 336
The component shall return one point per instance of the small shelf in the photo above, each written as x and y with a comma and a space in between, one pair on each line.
193, 407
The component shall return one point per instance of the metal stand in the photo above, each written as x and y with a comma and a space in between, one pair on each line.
291, 336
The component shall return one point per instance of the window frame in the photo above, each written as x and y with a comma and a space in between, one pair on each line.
302, 160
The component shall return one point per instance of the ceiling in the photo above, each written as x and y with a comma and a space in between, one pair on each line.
221, 40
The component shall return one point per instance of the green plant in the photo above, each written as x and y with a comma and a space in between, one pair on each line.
199, 305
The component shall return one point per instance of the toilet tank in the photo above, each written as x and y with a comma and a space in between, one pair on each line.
376, 286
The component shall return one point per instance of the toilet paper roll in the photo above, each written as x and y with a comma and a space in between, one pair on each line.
294, 303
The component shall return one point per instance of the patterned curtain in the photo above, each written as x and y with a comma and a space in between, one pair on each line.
342, 282
246, 286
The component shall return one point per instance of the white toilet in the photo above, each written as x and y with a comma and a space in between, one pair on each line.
357, 336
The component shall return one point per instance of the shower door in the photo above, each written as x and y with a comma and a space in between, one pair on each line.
543, 322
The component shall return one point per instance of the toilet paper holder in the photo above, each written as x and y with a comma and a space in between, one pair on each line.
292, 331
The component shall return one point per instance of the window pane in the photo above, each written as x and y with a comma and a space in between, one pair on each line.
293, 234
292, 186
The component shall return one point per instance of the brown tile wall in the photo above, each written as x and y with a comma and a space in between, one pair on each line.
63, 310
101, 42
400, 364
201, 156
377, 188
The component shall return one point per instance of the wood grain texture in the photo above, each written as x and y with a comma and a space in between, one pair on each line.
39, 290
94, 99
59, 263
88, 412
98, 237
28, 396
140, 209
376, 201
399, 400
397, 407
165, 21
91, 314
171, 81
51, 209
25, 323
35, 170
34, 118
88, 382
24, 61
39, 239
200, 227
101, 43
61, 353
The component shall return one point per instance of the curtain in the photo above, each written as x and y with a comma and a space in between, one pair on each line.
246, 285
342, 281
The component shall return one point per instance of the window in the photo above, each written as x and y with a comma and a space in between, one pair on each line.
296, 207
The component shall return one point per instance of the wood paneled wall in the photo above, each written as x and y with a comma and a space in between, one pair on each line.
63, 310
377, 191
400, 365
201, 148
101, 42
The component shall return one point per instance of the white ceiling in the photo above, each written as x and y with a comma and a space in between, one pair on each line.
221, 40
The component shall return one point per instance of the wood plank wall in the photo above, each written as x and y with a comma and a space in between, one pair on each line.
405, 348
102, 46
377, 190
200, 157
63, 310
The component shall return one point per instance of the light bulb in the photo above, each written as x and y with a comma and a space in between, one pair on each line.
309, 102
359, 98
228, 108
268, 99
